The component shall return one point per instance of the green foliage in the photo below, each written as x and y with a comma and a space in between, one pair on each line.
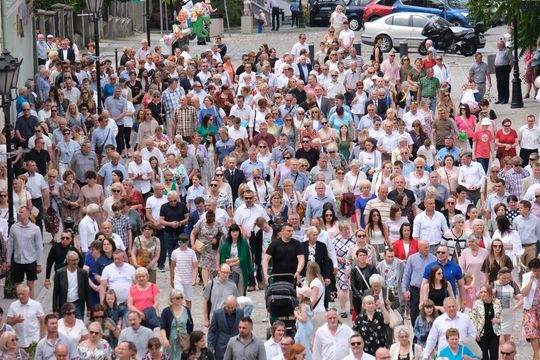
526, 12
234, 8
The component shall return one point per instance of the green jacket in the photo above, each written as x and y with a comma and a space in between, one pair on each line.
244, 254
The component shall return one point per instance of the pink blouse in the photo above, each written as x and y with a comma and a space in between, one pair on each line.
143, 299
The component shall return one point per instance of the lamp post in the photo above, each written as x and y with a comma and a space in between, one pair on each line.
94, 7
517, 97
9, 75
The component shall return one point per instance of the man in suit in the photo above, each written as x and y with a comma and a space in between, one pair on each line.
224, 326
65, 52
187, 82
378, 99
64, 279
195, 215
303, 68
234, 176
323, 103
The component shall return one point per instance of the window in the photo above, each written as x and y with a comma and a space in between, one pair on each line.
386, 2
418, 21
435, 4
401, 20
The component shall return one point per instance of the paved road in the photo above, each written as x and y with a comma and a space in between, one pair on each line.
283, 41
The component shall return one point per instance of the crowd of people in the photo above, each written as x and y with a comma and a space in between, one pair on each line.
359, 180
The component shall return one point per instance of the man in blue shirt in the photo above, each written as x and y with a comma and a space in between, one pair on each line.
224, 145
106, 170
448, 149
452, 271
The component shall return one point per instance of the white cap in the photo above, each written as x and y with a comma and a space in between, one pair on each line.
485, 121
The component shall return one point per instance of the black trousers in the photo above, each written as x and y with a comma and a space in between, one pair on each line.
502, 74
414, 303
41, 61
524, 155
489, 343
162, 253
120, 139
275, 18
294, 18
127, 137
38, 204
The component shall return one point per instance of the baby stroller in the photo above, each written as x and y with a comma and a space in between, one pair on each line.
281, 300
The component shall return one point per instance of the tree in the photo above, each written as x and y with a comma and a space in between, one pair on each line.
526, 12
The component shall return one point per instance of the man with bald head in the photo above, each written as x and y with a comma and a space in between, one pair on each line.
411, 283
61, 352
382, 354
216, 292
224, 326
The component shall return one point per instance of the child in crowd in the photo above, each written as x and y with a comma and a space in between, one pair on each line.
303, 315
470, 291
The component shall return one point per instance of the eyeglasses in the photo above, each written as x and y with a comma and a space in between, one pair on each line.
154, 346
14, 339
177, 298
219, 174
26, 109
262, 147
116, 191
324, 123
65, 238
288, 120
213, 185
450, 202
441, 252
359, 343
256, 177
504, 353
70, 313
3, 195
286, 157
53, 110
340, 173
497, 246
361, 236
99, 317
94, 332
248, 198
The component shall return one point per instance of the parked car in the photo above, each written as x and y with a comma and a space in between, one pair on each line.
403, 26
377, 9
320, 11
455, 11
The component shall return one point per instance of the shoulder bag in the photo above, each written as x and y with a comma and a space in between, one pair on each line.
394, 315
300, 208
347, 201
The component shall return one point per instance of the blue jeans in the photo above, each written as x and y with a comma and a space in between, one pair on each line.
170, 239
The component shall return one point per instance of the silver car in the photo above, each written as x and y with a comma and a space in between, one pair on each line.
394, 28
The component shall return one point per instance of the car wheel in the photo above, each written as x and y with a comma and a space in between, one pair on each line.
386, 44
374, 17
355, 24
468, 50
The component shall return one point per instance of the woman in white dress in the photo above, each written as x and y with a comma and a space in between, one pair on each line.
511, 242
418, 179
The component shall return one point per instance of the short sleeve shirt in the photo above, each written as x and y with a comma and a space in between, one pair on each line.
120, 279
284, 256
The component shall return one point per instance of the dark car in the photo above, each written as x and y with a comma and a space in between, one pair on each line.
320, 11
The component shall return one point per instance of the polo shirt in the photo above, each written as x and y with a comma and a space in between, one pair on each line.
429, 86
173, 213
45, 349
452, 272
27, 331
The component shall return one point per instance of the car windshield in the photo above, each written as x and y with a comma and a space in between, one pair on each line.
457, 4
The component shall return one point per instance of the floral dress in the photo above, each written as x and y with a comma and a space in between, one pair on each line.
207, 259
342, 247
50, 218
102, 351
531, 318
201, 155
373, 331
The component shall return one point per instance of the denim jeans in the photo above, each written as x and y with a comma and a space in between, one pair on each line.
170, 239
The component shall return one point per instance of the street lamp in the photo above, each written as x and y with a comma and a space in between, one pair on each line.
9, 75
517, 96
94, 7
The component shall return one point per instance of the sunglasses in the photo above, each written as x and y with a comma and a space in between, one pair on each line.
94, 332
70, 313
359, 343
99, 317
441, 252
248, 198
507, 353
177, 298
65, 238
213, 185
286, 157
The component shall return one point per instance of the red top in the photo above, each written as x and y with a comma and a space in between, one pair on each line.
399, 248
483, 139
143, 299
506, 139
426, 64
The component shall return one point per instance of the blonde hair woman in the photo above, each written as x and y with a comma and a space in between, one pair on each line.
337, 18
117, 192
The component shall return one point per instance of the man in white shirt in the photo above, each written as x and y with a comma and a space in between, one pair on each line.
153, 207
88, 227
412, 115
529, 139
430, 224
442, 72
451, 318
332, 339
247, 213
346, 37
150, 150
241, 111
471, 174
140, 172
26, 317
183, 269
357, 349
119, 276
301, 44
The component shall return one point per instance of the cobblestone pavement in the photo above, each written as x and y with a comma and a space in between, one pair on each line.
283, 41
